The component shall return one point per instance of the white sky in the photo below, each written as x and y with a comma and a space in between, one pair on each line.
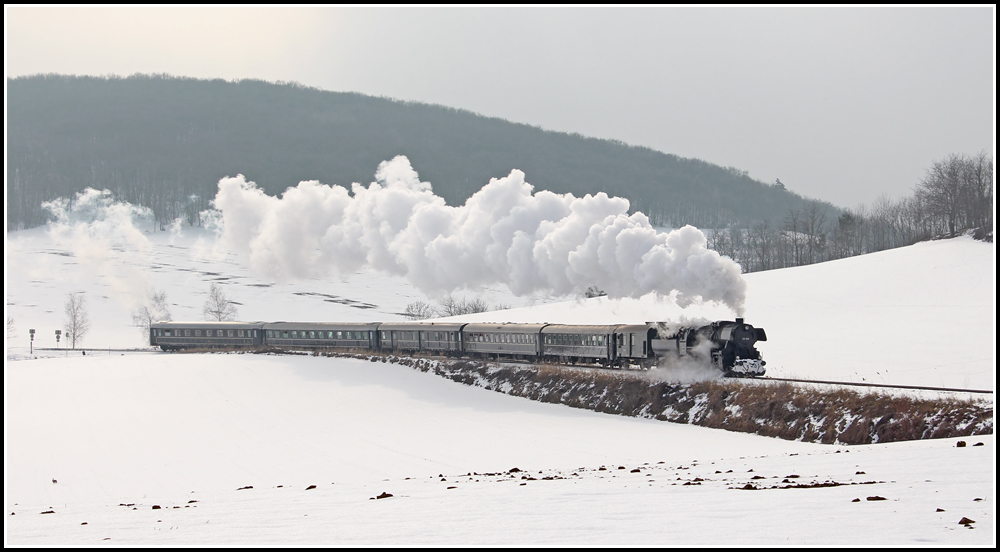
841, 104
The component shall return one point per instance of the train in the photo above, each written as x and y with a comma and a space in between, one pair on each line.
729, 345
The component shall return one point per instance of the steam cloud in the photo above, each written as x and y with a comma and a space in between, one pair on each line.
504, 234
95, 227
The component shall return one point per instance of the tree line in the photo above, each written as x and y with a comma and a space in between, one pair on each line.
954, 197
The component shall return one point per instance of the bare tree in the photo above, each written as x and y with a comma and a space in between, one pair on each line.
77, 321
218, 307
155, 310
454, 307
418, 310
11, 329
814, 220
977, 177
941, 189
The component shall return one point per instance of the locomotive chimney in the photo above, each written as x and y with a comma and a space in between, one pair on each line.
739, 321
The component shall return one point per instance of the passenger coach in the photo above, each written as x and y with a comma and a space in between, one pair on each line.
176, 335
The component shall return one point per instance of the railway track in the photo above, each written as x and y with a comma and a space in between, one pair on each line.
886, 385
791, 380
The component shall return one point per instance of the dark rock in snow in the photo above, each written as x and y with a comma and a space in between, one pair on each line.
963, 521
960, 444
939, 510
876, 497
384, 495
856, 500
310, 487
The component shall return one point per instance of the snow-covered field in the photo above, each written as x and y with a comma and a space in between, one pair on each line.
100, 439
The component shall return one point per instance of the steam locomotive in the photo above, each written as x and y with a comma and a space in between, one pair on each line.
728, 345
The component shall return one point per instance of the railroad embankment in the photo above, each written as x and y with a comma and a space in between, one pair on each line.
774, 409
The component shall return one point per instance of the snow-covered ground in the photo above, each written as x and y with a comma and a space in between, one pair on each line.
85, 435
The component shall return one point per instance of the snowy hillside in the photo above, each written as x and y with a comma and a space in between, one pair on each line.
100, 439
919, 315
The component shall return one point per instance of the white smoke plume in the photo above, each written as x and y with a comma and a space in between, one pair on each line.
694, 367
504, 234
99, 231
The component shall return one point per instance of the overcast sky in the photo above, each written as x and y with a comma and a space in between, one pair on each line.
841, 104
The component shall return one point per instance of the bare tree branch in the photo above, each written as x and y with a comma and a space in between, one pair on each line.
218, 307
77, 321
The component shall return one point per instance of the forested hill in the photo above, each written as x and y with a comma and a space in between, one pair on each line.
158, 140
